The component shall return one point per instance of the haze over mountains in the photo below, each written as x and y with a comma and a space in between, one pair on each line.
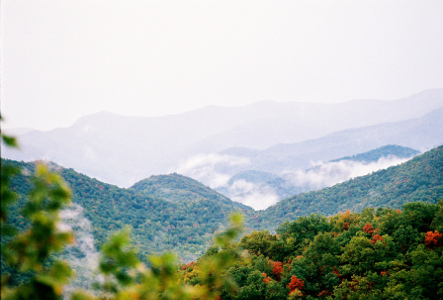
260, 189
266, 136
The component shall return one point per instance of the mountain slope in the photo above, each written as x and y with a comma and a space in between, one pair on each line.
158, 225
419, 179
178, 188
292, 122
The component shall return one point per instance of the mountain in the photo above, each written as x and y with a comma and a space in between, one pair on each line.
376, 154
139, 147
291, 122
184, 226
178, 188
419, 179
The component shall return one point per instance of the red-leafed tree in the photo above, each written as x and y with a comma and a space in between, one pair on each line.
188, 265
432, 239
324, 293
296, 284
277, 268
368, 228
376, 238
266, 278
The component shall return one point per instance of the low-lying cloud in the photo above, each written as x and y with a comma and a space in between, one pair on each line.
211, 169
257, 196
207, 168
326, 174
204, 168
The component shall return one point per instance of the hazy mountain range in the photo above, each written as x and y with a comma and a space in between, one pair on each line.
267, 136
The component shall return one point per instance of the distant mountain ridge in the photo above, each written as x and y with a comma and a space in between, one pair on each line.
123, 150
422, 133
376, 154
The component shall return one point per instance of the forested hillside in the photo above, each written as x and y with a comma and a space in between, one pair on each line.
178, 188
419, 179
184, 227
149, 146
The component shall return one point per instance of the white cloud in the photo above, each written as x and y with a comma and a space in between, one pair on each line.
202, 167
329, 173
253, 195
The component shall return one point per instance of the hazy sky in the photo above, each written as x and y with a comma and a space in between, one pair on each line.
63, 59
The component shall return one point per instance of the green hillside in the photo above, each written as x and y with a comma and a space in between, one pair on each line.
178, 188
419, 179
184, 227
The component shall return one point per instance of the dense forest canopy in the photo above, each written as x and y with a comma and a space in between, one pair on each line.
379, 253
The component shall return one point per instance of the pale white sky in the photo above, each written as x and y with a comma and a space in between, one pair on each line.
63, 59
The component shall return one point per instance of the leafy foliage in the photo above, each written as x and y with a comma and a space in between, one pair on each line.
30, 250
373, 258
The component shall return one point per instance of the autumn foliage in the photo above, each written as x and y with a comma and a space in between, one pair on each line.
296, 283
277, 268
376, 238
368, 228
188, 265
335, 271
432, 239
324, 293
266, 278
